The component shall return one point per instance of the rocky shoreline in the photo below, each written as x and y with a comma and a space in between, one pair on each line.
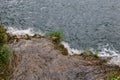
45, 58
40, 58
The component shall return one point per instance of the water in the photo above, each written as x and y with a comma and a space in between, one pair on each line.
85, 23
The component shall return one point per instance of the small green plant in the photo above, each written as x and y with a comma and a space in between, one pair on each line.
5, 61
57, 34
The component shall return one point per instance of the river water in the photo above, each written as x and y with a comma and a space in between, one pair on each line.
85, 23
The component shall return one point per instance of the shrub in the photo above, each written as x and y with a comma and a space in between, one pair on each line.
5, 55
57, 34
3, 36
5, 61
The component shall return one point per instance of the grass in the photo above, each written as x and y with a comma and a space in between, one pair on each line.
58, 34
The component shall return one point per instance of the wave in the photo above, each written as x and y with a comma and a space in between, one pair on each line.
115, 61
71, 51
107, 51
15, 31
104, 51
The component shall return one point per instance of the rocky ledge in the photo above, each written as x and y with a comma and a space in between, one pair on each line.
41, 59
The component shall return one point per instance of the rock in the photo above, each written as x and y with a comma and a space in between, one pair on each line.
10, 38
27, 37
61, 48
39, 59
55, 39
17, 38
37, 36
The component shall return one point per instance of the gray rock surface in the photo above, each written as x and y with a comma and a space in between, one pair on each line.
38, 59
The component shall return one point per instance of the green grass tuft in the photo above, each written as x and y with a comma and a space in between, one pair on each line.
58, 34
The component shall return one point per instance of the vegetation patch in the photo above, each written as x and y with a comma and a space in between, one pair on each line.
56, 36
5, 62
3, 36
5, 55
114, 77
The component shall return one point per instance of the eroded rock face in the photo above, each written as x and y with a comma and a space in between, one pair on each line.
37, 59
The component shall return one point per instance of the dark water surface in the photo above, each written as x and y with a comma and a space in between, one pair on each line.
86, 23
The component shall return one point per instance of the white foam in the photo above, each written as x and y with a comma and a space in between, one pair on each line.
15, 31
105, 52
115, 61
108, 51
71, 51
